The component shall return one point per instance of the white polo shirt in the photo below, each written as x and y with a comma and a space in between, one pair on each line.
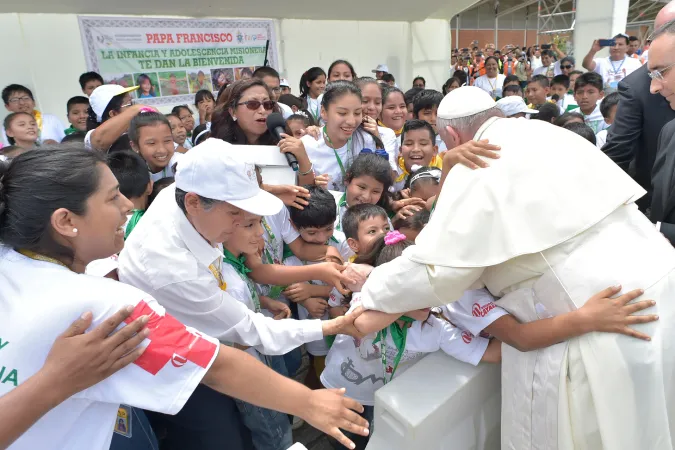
39, 300
168, 258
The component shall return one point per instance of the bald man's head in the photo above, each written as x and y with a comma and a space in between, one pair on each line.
664, 16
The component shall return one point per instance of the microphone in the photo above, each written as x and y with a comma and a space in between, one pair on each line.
277, 125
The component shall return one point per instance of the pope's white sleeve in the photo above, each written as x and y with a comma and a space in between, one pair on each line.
403, 285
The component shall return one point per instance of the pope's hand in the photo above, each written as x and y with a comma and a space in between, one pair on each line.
468, 154
343, 324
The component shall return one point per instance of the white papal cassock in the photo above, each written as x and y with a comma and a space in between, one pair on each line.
545, 227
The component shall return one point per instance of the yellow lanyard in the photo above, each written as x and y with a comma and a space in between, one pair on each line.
38, 257
219, 276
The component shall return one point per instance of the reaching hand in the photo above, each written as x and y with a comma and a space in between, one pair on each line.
294, 196
595, 48
359, 274
412, 201
344, 324
370, 125
289, 144
278, 309
322, 180
298, 292
79, 360
613, 315
316, 307
468, 154
329, 410
313, 131
331, 273
407, 211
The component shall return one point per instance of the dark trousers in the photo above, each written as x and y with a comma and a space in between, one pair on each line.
208, 421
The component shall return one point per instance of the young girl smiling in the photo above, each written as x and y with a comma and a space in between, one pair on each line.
150, 135
312, 85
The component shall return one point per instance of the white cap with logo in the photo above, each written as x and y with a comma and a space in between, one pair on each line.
513, 105
102, 96
213, 170
465, 101
283, 82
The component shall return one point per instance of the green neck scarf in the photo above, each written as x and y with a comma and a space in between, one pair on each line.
237, 263
398, 335
135, 217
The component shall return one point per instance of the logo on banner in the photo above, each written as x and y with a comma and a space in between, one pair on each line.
240, 37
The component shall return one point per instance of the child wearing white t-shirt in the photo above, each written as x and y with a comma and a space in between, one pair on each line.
316, 225
362, 366
608, 107
150, 136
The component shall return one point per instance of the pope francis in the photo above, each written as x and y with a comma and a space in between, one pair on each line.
544, 227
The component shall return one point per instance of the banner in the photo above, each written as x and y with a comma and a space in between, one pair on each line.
172, 59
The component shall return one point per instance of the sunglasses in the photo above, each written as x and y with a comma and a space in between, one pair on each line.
255, 104
566, 67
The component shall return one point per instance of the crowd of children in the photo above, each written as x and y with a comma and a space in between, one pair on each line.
371, 164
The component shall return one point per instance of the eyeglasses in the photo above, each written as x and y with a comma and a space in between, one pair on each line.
566, 67
15, 100
255, 104
276, 90
658, 74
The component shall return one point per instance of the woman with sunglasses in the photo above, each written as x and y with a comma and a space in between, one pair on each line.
241, 119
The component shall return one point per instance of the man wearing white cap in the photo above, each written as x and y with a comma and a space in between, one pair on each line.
285, 86
175, 253
514, 107
380, 70
545, 228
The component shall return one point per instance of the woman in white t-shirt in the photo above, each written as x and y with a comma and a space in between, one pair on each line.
493, 81
312, 85
58, 212
343, 137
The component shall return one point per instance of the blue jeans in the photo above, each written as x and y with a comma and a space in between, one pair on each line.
133, 431
270, 430
293, 361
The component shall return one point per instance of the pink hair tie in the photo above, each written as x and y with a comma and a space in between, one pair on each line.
394, 237
147, 109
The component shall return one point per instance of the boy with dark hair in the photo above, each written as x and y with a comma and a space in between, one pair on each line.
425, 107
133, 176
271, 78
409, 99
363, 224
511, 90
588, 93
90, 81
559, 87
537, 91
633, 47
18, 98
511, 80
608, 111
389, 79
77, 109
582, 130
316, 225
548, 112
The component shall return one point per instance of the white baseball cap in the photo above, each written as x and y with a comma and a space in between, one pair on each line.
283, 82
513, 105
214, 170
102, 95
381, 68
465, 101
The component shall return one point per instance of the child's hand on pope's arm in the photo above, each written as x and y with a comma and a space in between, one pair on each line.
298, 292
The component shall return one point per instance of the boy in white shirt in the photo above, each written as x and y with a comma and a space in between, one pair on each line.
588, 93
560, 85
608, 110
19, 98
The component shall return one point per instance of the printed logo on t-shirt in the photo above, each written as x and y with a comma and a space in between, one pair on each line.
172, 341
481, 311
467, 337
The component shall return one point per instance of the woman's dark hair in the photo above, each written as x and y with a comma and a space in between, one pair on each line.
37, 183
308, 77
346, 63
381, 253
495, 59
224, 127
338, 89
462, 76
203, 94
420, 78
388, 90
145, 119
115, 104
141, 78
8, 121
453, 79
372, 165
